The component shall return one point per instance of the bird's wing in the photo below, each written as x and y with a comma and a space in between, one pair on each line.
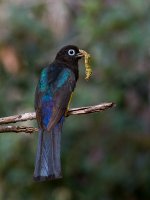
52, 102
63, 89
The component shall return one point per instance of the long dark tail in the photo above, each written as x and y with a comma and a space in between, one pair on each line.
47, 164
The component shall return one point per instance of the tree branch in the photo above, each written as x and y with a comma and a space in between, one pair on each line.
32, 116
17, 129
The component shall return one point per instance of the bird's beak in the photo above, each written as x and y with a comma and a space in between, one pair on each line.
80, 54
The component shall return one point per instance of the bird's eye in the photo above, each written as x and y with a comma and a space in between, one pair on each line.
71, 52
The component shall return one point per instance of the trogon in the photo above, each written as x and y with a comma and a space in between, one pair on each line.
56, 84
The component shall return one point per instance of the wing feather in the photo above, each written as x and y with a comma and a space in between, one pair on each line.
53, 93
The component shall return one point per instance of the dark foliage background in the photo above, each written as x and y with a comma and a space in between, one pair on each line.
105, 155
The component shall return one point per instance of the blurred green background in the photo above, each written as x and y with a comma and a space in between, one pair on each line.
105, 155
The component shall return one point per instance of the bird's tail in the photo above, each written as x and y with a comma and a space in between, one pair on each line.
47, 164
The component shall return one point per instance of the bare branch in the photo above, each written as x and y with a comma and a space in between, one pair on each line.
17, 129
32, 116
90, 109
18, 118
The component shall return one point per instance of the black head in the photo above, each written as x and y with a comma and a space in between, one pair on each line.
69, 54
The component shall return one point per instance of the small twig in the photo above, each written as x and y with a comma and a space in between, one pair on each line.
18, 118
17, 129
90, 109
32, 116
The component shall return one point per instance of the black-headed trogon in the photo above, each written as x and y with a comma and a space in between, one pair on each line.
53, 92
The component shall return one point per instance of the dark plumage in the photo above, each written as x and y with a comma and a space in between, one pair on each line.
53, 92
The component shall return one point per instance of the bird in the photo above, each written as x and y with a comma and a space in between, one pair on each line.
52, 96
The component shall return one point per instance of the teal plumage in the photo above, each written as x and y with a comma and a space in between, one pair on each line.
55, 86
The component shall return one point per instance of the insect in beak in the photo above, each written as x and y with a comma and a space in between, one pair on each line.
88, 70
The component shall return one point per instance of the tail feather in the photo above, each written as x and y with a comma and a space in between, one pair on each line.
47, 164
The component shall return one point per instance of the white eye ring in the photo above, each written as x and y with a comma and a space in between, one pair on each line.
71, 52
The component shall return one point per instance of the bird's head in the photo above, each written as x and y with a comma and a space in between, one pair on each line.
69, 54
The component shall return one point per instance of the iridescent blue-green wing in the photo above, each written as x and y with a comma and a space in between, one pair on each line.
53, 94
44, 94
62, 90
